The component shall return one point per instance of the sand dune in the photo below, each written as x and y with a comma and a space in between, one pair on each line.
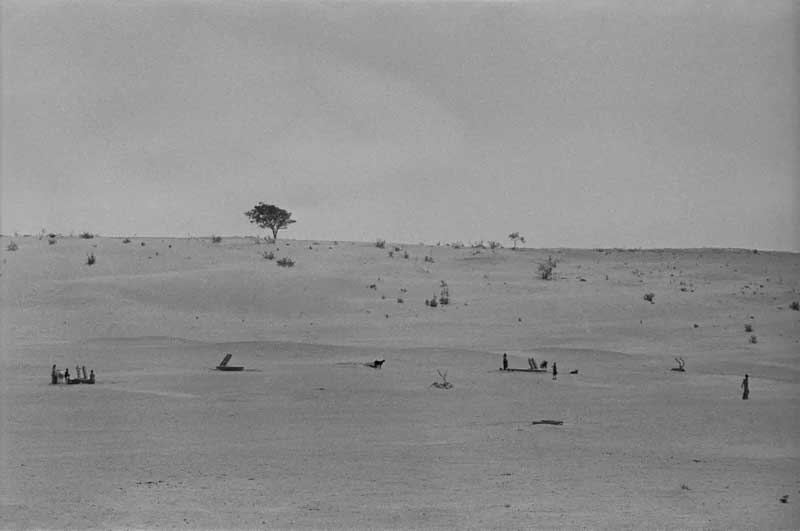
309, 437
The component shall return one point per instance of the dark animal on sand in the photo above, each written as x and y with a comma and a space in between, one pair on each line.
377, 364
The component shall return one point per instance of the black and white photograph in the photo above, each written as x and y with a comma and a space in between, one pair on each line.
399, 264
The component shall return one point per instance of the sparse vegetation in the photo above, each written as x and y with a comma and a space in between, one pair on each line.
649, 297
794, 305
495, 245
516, 238
380, 244
51, 239
285, 262
12, 246
270, 217
546, 268
269, 255
748, 328
429, 259
444, 384
126, 240
216, 239
753, 339
86, 235
90, 260
444, 294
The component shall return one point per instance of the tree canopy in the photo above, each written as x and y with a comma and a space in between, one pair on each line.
270, 217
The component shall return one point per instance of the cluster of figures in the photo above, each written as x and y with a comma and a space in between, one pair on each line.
534, 367
57, 376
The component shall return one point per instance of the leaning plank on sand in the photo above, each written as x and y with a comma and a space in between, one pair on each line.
223, 365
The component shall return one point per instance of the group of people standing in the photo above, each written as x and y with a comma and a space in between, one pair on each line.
58, 376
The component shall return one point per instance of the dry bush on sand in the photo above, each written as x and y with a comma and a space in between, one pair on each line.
753, 339
12, 246
216, 239
269, 255
444, 384
380, 244
795, 306
546, 268
649, 297
285, 262
748, 328
90, 260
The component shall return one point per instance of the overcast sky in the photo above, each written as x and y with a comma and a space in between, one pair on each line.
578, 124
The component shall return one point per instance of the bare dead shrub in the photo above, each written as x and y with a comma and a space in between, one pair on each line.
748, 328
753, 339
546, 268
444, 384
12, 246
90, 260
380, 244
216, 239
268, 255
795, 306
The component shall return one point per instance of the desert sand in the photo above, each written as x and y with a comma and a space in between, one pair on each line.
307, 436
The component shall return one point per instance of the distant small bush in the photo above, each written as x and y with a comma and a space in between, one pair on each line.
86, 235
216, 239
391, 254
52, 240
405, 255
753, 339
269, 255
380, 244
795, 306
546, 268
12, 246
400, 300
429, 259
748, 328
142, 244
126, 240
495, 245
90, 260
649, 297
457, 245
285, 262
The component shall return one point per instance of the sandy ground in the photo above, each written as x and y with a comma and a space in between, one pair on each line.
309, 437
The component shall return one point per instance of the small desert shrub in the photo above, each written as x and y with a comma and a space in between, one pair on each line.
400, 300
458, 245
126, 240
51, 240
405, 255
269, 255
86, 235
444, 384
429, 259
494, 245
444, 294
380, 244
90, 260
216, 239
795, 306
649, 297
753, 339
433, 303
546, 268
391, 254
142, 244
748, 328
285, 262
12, 246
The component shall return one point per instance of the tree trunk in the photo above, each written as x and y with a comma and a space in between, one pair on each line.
274, 234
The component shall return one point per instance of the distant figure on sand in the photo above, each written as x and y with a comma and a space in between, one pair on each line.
555, 371
91, 375
54, 376
66, 375
745, 388
505, 362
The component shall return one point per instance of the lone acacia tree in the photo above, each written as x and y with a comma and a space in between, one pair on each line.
515, 237
270, 217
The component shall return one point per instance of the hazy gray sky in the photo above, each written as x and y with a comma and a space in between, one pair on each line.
578, 124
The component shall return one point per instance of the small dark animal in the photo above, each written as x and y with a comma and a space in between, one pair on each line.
543, 365
377, 364
574, 372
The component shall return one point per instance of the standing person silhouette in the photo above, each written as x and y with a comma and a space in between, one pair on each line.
745, 387
555, 371
505, 362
